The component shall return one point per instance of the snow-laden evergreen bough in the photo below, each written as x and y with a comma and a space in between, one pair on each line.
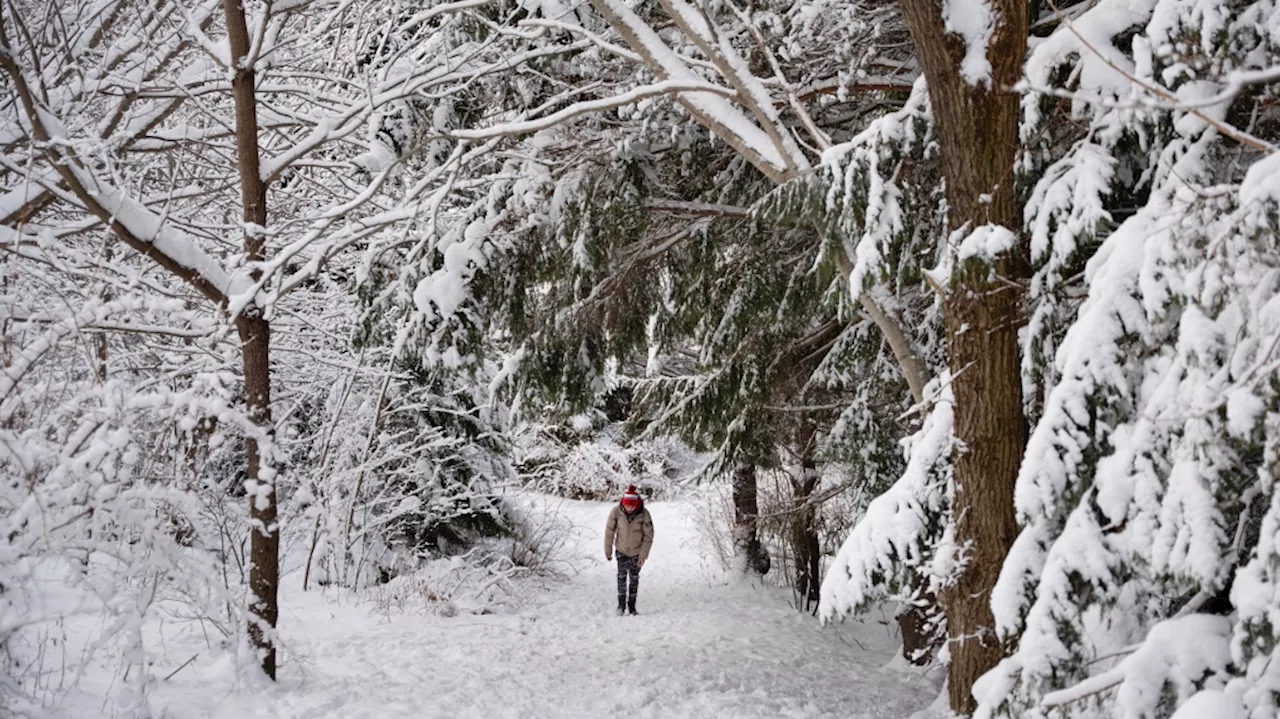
903, 546
605, 245
1148, 363
1140, 582
883, 209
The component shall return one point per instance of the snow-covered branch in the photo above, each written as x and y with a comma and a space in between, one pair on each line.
725, 120
632, 96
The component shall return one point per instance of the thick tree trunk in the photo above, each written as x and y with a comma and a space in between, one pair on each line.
746, 510
982, 324
255, 338
978, 136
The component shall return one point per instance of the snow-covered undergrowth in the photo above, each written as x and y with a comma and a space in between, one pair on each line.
494, 575
125, 523
701, 647
95, 634
711, 506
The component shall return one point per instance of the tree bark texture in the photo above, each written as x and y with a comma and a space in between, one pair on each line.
804, 530
804, 539
264, 544
255, 338
746, 510
101, 350
921, 636
978, 135
992, 429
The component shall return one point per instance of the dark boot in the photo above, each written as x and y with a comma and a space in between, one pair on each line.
622, 607
631, 607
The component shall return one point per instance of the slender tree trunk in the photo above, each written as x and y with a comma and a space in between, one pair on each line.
913, 369
746, 510
347, 558
264, 545
804, 540
101, 349
978, 137
804, 530
255, 339
101, 354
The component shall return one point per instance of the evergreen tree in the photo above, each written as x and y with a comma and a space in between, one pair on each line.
1143, 492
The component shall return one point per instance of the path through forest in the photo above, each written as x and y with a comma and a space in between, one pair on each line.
700, 648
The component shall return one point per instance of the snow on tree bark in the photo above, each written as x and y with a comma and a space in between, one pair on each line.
746, 511
977, 123
255, 337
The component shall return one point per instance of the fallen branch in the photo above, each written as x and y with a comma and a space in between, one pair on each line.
183, 666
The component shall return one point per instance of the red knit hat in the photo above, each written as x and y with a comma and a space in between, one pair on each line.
631, 498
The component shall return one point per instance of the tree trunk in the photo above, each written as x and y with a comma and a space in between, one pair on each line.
746, 510
978, 137
804, 542
912, 367
264, 546
915, 637
990, 424
101, 349
804, 530
255, 338
921, 636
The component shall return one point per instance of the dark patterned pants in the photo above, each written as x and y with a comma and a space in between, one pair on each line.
628, 568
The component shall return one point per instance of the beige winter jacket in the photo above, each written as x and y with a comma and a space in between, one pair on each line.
631, 535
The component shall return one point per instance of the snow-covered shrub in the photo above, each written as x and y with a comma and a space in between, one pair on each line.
494, 573
583, 462
598, 469
537, 540
713, 517
109, 525
417, 475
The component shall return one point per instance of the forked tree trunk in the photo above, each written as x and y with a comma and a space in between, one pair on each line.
255, 339
978, 137
746, 511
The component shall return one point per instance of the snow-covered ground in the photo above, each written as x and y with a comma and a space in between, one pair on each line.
701, 647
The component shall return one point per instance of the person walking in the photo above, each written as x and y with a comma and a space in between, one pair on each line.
629, 531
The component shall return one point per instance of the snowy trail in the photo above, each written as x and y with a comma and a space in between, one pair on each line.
699, 648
